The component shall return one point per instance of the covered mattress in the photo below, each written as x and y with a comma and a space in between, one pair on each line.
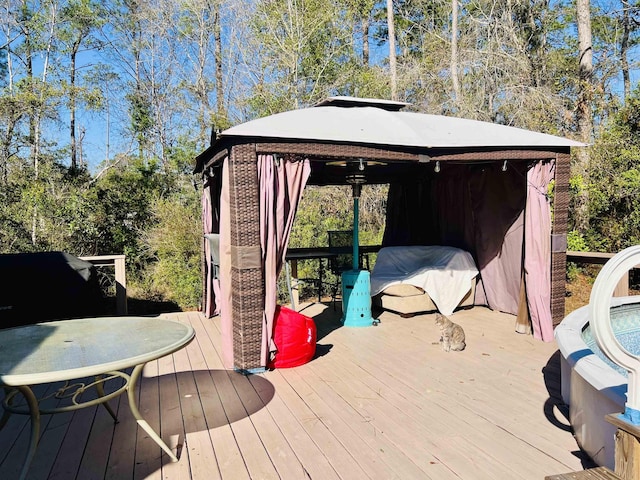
444, 273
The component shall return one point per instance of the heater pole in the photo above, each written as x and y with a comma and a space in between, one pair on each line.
356, 283
356, 188
356, 213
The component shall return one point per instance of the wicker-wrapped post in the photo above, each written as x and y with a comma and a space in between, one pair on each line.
559, 237
247, 279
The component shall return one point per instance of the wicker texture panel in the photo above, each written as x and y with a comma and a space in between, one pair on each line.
495, 155
247, 284
329, 151
332, 151
247, 306
560, 220
558, 286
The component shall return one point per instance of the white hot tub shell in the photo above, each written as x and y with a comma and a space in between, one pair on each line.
590, 387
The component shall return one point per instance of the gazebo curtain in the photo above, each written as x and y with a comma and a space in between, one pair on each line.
282, 181
475, 208
494, 214
537, 263
207, 227
223, 295
211, 224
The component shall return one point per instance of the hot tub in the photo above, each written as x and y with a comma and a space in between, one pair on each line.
592, 385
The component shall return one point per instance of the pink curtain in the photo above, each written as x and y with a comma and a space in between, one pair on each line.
207, 224
498, 200
501, 272
224, 297
537, 261
281, 184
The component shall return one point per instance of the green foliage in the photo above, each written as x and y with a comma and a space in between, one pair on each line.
14, 232
122, 208
176, 242
517, 64
321, 209
615, 182
576, 242
302, 50
140, 113
331, 208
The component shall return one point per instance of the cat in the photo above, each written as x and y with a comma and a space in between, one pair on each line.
452, 334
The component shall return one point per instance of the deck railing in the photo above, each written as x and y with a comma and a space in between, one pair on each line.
591, 258
599, 258
118, 262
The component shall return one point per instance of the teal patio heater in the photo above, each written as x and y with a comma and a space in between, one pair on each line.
356, 283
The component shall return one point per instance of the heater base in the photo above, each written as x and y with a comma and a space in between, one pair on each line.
356, 299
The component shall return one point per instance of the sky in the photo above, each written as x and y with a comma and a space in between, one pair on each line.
102, 131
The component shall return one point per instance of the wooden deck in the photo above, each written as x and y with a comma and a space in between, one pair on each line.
379, 402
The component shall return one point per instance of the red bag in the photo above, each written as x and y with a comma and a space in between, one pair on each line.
295, 337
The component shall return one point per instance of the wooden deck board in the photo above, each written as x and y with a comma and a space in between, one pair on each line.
148, 453
123, 443
377, 403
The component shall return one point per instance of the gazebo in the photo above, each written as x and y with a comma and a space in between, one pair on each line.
474, 185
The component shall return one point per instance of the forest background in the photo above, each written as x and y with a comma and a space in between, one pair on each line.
105, 104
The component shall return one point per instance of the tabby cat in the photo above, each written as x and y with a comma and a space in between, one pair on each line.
452, 334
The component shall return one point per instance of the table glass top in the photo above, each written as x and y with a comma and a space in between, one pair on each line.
68, 349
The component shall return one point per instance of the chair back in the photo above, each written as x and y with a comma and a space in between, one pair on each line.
341, 244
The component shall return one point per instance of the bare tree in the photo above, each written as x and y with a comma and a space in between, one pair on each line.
454, 53
80, 18
624, 48
217, 39
199, 62
392, 51
584, 119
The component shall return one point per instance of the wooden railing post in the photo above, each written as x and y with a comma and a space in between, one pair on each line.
121, 285
117, 261
599, 258
627, 448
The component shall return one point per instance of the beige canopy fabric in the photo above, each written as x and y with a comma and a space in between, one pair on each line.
378, 126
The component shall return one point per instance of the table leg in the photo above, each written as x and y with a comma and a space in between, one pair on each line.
131, 392
289, 280
320, 262
7, 413
34, 410
100, 390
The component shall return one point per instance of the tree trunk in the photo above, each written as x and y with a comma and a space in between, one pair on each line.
217, 38
624, 49
72, 109
366, 24
583, 111
392, 50
454, 53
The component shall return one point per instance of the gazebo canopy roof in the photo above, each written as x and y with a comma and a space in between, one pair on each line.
377, 130
375, 122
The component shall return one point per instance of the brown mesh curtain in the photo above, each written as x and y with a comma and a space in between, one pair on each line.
477, 208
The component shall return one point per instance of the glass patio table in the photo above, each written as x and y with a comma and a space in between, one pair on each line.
100, 349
